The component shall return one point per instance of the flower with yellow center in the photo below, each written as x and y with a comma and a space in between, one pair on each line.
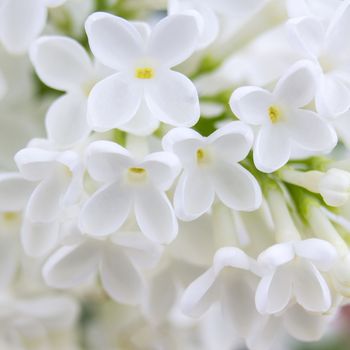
145, 91
300, 128
211, 170
132, 186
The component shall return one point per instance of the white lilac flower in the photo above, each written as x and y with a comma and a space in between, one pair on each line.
294, 272
130, 185
322, 9
280, 118
145, 90
75, 74
14, 194
117, 259
209, 14
231, 281
58, 180
33, 319
328, 48
21, 21
211, 168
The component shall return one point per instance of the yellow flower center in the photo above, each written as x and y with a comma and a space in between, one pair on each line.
203, 156
136, 174
274, 114
10, 216
144, 73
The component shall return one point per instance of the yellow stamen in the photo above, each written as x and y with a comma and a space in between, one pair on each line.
274, 114
200, 154
136, 174
137, 170
203, 156
10, 216
144, 73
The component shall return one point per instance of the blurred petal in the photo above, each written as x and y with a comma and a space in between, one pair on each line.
71, 265
119, 277
14, 192
39, 238
21, 21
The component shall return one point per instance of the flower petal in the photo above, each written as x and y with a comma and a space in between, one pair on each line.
163, 168
21, 22
303, 325
45, 202
106, 210
71, 265
310, 131
184, 142
276, 255
143, 123
173, 99
237, 301
173, 39
195, 195
307, 35
321, 253
35, 163
56, 312
236, 187
274, 291
72, 66
113, 40
200, 294
271, 149
106, 161
250, 104
161, 296
119, 277
39, 238
14, 192
232, 142
297, 87
68, 109
311, 290
8, 260
157, 221
113, 102
333, 96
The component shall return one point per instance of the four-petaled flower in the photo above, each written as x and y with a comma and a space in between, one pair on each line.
145, 90
211, 167
130, 185
280, 119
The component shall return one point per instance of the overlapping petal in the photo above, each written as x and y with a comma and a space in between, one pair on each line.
113, 102
72, 65
173, 98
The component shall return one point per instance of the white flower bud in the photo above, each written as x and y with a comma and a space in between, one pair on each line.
334, 187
